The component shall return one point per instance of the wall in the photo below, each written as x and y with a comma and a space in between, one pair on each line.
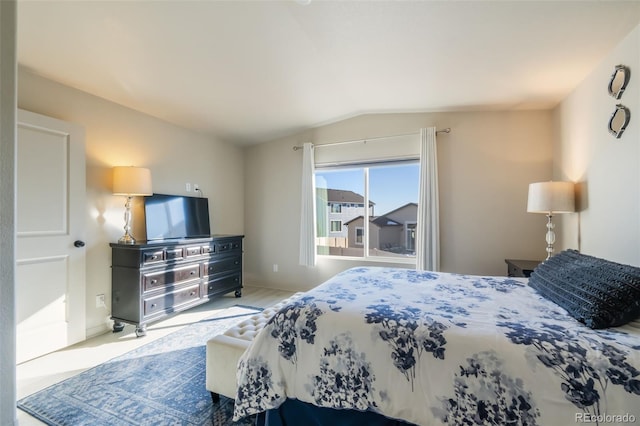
485, 166
116, 135
606, 169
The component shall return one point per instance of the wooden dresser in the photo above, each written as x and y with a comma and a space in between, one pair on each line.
151, 280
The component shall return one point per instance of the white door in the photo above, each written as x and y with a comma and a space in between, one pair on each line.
50, 256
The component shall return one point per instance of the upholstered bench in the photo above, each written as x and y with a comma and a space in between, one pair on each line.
224, 351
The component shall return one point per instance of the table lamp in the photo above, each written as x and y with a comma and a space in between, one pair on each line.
549, 198
131, 182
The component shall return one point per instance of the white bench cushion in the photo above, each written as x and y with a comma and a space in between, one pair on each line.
224, 350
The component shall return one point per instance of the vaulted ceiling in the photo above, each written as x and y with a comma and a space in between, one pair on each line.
249, 72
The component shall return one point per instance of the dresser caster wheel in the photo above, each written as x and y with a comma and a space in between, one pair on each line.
141, 331
238, 293
118, 327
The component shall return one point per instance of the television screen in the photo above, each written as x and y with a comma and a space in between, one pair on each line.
176, 216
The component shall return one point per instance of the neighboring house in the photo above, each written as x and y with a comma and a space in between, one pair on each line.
391, 233
341, 225
335, 208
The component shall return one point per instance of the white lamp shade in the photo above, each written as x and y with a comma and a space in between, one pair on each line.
551, 197
131, 181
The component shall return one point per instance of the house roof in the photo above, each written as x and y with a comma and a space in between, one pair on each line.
345, 196
384, 220
361, 218
353, 220
400, 208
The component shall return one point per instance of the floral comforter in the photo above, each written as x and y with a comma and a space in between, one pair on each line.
436, 348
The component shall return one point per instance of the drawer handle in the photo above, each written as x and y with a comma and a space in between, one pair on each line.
192, 272
210, 287
154, 281
192, 293
153, 305
237, 262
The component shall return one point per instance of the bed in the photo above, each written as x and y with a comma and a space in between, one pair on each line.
413, 347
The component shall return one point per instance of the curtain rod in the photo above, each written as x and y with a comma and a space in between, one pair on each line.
297, 147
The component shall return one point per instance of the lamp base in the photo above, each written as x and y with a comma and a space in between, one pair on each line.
127, 239
550, 237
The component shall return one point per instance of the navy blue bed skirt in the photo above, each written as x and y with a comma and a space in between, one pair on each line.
294, 413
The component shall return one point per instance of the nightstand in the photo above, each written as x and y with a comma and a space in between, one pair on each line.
521, 268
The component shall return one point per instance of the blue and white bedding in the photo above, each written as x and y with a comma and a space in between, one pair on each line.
436, 348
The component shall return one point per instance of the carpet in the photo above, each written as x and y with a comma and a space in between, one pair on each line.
160, 383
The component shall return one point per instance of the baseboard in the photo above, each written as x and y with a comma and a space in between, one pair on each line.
270, 286
97, 330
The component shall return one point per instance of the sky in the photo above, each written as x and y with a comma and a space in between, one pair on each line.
390, 187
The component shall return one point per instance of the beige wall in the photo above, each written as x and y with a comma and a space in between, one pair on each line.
485, 166
116, 135
606, 169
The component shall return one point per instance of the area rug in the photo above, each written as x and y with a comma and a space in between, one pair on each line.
160, 383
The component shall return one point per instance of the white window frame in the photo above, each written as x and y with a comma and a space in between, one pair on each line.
365, 165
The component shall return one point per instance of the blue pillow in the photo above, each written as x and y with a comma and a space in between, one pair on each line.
597, 292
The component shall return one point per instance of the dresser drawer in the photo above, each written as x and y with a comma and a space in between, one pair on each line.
151, 257
174, 254
222, 265
228, 246
222, 284
193, 251
154, 280
168, 302
514, 271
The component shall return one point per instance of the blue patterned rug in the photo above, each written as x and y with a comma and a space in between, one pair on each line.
160, 383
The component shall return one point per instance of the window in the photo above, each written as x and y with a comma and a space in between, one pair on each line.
410, 242
336, 208
386, 228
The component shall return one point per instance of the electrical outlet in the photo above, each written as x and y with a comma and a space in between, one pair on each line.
196, 187
188, 187
100, 301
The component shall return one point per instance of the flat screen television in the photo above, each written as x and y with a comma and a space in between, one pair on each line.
176, 216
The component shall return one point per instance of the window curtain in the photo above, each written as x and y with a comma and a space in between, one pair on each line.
308, 209
428, 229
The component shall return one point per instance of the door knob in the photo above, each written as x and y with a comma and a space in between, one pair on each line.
78, 243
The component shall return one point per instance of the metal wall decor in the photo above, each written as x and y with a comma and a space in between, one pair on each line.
619, 80
621, 115
619, 120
